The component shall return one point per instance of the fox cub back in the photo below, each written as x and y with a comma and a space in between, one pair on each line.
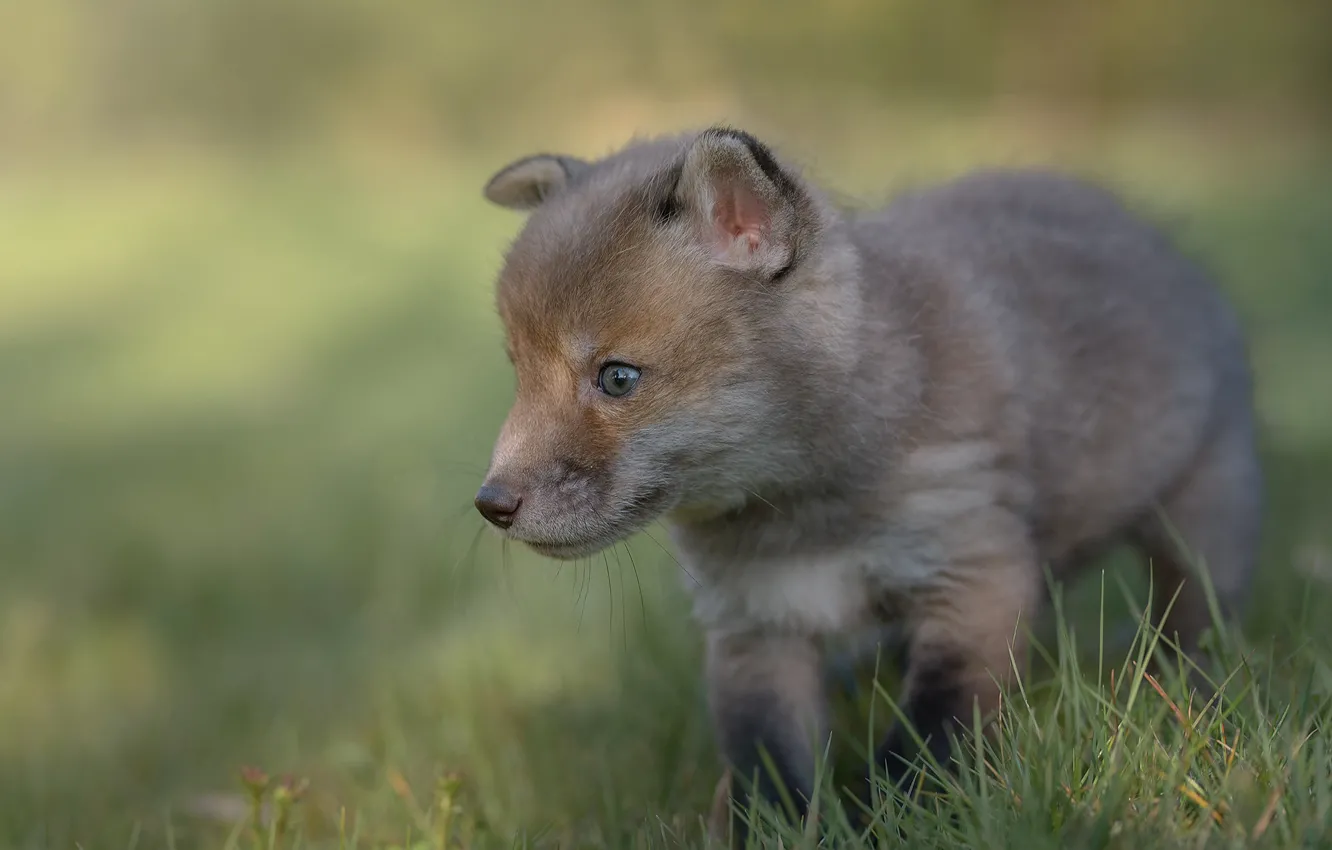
859, 420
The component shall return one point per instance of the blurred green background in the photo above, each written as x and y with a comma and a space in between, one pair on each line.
250, 369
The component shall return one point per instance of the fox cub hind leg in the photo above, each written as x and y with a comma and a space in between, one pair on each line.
1208, 521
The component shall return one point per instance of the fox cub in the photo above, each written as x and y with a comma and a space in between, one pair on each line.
850, 419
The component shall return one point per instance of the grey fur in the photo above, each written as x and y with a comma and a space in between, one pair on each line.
936, 399
526, 183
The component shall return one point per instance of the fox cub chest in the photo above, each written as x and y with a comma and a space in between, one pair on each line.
824, 594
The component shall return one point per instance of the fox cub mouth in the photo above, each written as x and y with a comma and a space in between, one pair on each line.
642, 514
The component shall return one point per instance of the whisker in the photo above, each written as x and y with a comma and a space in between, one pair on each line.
766, 502
587, 585
573, 584
471, 550
624, 617
671, 555
505, 569
470, 506
462, 466
642, 602
610, 601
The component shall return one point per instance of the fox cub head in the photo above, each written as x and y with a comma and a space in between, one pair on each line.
672, 312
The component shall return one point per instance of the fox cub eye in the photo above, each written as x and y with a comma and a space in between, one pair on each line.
617, 379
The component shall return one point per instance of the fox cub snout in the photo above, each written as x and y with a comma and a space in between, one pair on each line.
852, 420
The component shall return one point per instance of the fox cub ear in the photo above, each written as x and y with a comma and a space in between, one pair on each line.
749, 211
526, 183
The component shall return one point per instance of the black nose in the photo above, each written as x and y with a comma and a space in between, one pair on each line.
497, 504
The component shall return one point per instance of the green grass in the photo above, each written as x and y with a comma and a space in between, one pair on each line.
244, 411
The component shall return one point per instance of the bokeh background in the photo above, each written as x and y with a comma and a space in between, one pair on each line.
250, 369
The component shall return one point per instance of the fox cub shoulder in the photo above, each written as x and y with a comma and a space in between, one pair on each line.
851, 420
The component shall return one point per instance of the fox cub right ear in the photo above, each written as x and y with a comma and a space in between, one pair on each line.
526, 183
752, 214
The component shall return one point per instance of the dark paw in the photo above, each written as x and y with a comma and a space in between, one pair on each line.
905, 765
728, 818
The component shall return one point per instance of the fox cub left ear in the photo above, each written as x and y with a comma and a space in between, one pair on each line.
526, 183
750, 212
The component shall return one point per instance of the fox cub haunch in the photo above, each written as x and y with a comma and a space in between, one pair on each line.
857, 420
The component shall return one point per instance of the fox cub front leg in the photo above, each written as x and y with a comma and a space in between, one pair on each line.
968, 643
766, 696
